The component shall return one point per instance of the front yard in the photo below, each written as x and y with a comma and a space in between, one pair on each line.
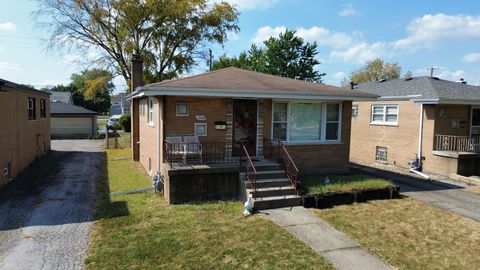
409, 234
139, 231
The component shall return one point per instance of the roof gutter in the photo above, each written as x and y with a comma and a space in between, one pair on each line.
447, 101
278, 94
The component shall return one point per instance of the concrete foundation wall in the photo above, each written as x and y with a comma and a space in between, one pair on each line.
200, 185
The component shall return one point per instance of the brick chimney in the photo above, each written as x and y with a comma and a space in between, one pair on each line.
137, 71
136, 80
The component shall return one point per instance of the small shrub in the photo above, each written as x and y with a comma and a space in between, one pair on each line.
125, 122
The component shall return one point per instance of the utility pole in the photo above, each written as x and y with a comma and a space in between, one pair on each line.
431, 70
210, 59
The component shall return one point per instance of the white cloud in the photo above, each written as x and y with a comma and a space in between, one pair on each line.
7, 66
243, 5
363, 52
323, 36
451, 75
265, 32
339, 75
471, 57
8, 26
429, 30
348, 10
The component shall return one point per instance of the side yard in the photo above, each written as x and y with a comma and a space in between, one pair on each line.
138, 231
409, 234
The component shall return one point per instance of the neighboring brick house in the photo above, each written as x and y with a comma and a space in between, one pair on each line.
24, 127
427, 116
232, 107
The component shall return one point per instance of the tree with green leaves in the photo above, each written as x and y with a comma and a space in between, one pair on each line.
376, 70
286, 55
94, 87
171, 35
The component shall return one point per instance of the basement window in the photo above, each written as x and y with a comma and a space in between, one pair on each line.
7, 172
381, 154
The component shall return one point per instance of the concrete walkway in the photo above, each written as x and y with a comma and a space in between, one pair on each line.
340, 250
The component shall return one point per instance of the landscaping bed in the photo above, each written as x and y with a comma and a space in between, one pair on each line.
328, 191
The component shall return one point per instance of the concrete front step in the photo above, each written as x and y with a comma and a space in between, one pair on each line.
271, 174
262, 203
273, 182
268, 167
274, 191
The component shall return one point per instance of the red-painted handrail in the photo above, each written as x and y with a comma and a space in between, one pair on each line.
290, 167
250, 172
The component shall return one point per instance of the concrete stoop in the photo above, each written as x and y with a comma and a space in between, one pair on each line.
274, 189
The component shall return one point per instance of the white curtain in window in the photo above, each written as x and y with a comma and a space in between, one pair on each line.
305, 121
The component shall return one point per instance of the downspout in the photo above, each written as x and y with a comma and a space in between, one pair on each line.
418, 163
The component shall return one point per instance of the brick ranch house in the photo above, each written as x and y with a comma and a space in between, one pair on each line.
25, 128
237, 113
436, 119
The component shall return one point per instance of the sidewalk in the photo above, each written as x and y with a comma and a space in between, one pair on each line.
340, 250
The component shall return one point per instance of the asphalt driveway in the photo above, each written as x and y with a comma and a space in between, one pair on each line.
46, 214
446, 195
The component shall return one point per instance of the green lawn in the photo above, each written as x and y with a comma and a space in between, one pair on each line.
139, 231
123, 140
340, 183
409, 234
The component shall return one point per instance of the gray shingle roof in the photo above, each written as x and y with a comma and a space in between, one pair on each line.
423, 88
64, 108
246, 83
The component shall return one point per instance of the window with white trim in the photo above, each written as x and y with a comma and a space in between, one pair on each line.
280, 113
306, 121
43, 109
182, 109
201, 129
385, 114
150, 111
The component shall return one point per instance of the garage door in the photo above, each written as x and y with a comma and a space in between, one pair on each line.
71, 127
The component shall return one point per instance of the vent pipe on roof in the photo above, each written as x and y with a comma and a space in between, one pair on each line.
352, 85
462, 81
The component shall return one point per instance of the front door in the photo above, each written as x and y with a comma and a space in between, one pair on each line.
244, 127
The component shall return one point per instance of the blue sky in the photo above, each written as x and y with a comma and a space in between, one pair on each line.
416, 34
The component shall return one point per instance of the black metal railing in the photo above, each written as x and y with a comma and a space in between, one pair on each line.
276, 150
250, 173
198, 153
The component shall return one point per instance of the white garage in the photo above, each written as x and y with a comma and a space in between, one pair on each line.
71, 122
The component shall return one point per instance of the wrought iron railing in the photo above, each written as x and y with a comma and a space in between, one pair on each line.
250, 173
457, 143
276, 150
198, 153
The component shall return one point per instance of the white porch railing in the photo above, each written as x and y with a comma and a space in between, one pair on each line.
457, 143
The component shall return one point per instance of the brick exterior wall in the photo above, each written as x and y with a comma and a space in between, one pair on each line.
21, 140
401, 140
311, 159
149, 140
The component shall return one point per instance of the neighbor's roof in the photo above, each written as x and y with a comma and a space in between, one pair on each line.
65, 97
11, 86
70, 109
236, 82
428, 90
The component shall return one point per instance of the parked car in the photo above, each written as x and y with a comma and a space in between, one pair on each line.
113, 122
